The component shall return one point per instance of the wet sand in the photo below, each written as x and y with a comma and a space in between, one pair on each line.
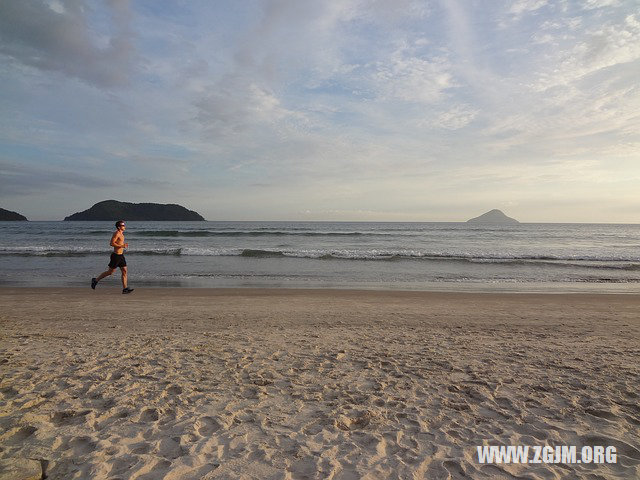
299, 384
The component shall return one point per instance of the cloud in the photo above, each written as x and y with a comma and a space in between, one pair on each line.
616, 42
233, 106
576, 96
457, 117
593, 4
25, 180
525, 6
311, 85
360, 98
58, 36
413, 79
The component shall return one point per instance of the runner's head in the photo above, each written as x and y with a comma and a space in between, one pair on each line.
120, 224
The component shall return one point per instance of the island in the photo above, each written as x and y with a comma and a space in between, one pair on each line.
494, 217
9, 216
112, 210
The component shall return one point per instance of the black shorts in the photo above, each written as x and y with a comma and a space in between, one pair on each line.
117, 261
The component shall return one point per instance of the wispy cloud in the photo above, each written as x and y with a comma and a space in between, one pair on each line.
412, 78
58, 36
521, 7
601, 47
21, 180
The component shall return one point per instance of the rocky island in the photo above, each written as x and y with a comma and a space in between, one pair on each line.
112, 210
9, 216
494, 217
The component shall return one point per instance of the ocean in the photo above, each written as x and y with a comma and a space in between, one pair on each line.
408, 256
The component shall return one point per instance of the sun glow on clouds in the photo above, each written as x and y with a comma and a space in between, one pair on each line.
283, 109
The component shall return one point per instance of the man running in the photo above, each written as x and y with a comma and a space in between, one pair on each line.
117, 258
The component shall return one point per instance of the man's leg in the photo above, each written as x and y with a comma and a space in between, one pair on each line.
94, 281
105, 274
124, 276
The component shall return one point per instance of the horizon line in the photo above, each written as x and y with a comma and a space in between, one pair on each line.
343, 221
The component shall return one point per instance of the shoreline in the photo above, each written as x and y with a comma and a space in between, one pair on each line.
550, 288
201, 294
282, 383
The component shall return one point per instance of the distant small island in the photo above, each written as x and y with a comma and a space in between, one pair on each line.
112, 210
494, 216
9, 216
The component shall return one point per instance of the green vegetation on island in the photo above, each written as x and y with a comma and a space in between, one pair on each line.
112, 210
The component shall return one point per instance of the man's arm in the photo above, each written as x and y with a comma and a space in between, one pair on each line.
117, 241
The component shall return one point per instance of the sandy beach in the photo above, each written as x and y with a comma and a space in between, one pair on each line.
313, 384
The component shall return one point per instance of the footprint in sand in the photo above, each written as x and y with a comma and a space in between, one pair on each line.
170, 448
149, 415
622, 448
153, 471
141, 448
21, 434
8, 392
607, 415
124, 413
205, 426
262, 382
355, 421
117, 375
69, 417
505, 402
82, 445
121, 465
174, 390
454, 468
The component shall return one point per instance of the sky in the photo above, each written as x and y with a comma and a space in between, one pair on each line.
337, 110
